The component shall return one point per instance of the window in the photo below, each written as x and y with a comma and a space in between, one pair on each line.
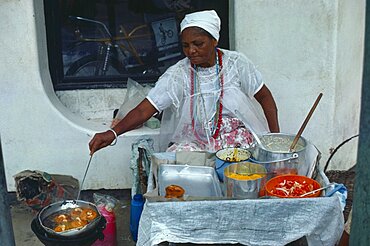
101, 43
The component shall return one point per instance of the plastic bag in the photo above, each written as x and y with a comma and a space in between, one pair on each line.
106, 205
134, 95
339, 191
104, 200
38, 189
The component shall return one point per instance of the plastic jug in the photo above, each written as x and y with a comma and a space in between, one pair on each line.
109, 232
137, 204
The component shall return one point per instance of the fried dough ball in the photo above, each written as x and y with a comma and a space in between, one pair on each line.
88, 214
76, 212
61, 218
60, 228
76, 223
174, 191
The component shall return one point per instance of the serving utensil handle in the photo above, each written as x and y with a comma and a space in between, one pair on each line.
314, 191
292, 146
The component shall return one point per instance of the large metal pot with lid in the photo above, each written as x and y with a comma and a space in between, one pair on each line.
69, 219
274, 154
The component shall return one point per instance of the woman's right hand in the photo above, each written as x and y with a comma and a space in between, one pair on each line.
132, 120
101, 140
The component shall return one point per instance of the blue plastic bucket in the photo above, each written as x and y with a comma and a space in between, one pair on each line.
227, 156
137, 204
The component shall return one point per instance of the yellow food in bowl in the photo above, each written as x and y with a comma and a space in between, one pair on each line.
245, 176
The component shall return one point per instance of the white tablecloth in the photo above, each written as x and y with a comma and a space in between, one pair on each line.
250, 222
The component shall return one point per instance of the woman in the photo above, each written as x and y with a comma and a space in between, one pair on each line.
207, 97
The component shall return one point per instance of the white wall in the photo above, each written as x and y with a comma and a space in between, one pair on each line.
303, 48
96, 105
37, 131
349, 62
300, 52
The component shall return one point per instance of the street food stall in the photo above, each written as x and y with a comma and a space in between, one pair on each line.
220, 214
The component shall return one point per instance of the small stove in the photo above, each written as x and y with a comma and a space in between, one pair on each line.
85, 239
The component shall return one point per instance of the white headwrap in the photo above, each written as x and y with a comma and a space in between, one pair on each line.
207, 20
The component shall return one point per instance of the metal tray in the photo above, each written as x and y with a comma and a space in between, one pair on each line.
197, 181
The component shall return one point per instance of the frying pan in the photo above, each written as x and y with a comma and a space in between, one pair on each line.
60, 208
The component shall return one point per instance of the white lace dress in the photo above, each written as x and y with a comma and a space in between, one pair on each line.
175, 93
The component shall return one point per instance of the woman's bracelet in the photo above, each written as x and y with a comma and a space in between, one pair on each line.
115, 137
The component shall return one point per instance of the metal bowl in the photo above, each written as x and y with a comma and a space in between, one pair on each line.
58, 207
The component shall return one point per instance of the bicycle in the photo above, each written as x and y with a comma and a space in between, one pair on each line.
164, 34
114, 55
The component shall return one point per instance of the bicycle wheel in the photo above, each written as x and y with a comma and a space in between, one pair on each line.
169, 33
91, 66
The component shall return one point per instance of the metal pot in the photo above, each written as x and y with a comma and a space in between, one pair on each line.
59, 207
275, 155
244, 187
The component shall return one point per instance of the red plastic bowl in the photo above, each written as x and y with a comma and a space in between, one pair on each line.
279, 186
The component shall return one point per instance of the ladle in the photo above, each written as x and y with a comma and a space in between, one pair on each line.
292, 146
83, 179
240, 116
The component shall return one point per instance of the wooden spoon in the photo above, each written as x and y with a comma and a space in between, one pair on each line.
292, 146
